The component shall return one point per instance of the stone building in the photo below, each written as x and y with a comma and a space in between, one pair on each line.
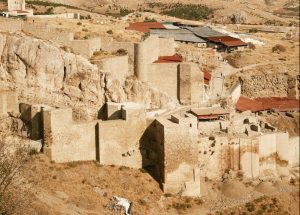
17, 8
16, 5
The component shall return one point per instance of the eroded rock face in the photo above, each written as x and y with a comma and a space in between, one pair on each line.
41, 72
239, 17
265, 85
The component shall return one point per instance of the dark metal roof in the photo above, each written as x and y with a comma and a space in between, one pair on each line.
182, 35
204, 31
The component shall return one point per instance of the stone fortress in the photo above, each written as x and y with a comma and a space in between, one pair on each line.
178, 147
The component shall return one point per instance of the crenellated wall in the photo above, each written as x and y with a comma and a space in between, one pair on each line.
66, 140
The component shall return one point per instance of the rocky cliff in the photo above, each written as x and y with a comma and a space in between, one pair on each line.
265, 85
42, 72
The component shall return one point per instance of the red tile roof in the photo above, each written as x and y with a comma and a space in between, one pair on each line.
260, 104
169, 59
227, 41
145, 26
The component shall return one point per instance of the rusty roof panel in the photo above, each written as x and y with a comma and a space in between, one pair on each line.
227, 41
260, 104
169, 59
144, 26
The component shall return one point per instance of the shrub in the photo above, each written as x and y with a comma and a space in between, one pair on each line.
278, 48
188, 11
142, 202
121, 52
14, 192
211, 138
251, 46
79, 23
181, 206
150, 20
250, 206
45, 4
109, 32
125, 11
253, 30
168, 195
142, 170
33, 152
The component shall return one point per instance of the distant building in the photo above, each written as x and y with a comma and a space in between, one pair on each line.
180, 35
16, 5
215, 39
17, 8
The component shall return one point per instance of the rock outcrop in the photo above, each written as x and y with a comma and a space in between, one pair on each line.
42, 72
265, 85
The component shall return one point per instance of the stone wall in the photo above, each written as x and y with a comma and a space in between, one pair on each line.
65, 140
111, 46
146, 52
166, 46
294, 152
86, 48
213, 156
117, 66
111, 142
191, 84
182, 81
62, 15
254, 156
179, 159
8, 25
164, 77
44, 32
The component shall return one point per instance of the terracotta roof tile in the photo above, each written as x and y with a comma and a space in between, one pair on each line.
145, 26
169, 59
227, 41
260, 104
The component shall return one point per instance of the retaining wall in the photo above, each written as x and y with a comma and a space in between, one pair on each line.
7, 25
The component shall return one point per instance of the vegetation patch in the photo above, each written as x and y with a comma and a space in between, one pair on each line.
278, 48
45, 4
125, 11
188, 11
